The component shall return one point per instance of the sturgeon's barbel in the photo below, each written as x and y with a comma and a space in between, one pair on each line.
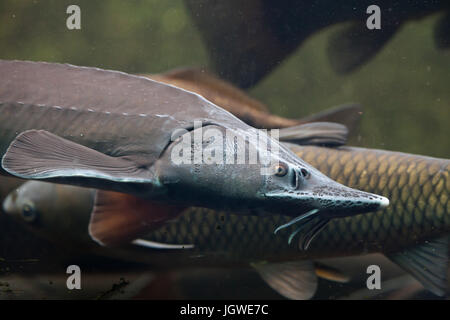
114, 131
412, 231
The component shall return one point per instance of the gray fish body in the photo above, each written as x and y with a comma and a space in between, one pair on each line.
122, 116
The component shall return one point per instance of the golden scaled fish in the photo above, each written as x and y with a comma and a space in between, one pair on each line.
412, 232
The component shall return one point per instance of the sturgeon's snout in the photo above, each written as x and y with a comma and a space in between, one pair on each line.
384, 202
344, 201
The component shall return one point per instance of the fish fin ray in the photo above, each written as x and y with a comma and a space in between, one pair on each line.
118, 218
315, 133
294, 280
431, 271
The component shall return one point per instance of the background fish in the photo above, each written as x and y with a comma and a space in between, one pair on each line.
245, 47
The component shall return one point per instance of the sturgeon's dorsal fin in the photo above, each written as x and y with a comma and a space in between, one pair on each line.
39, 154
428, 263
315, 133
294, 279
119, 218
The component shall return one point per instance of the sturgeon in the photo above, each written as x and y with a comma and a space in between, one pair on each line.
119, 133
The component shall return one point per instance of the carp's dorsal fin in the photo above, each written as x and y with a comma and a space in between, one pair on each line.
118, 218
428, 263
330, 273
39, 154
315, 133
294, 279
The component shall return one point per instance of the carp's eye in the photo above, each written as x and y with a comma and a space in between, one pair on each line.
280, 170
29, 212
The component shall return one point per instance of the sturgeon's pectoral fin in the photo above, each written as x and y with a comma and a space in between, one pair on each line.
39, 154
118, 218
294, 280
428, 263
315, 133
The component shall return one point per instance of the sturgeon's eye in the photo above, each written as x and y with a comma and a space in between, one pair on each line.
280, 170
29, 212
